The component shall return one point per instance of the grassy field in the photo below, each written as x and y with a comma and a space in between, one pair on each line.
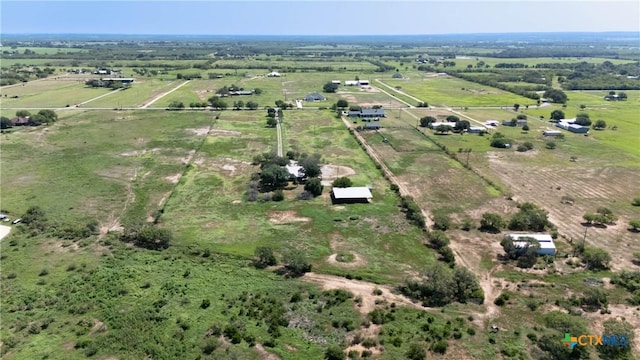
49, 93
448, 91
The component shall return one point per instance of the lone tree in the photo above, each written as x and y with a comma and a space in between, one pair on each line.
492, 223
296, 263
274, 177
310, 165
557, 96
342, 182
265, 257
5, 123
342, 104
557, 115
272, 122
330, 87
252, 105
600, 125
427, 120
443, 129
452, 118
516, 107
583, 119
314, 186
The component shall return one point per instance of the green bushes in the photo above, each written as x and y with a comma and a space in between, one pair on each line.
412, 211
438, 285
148, 237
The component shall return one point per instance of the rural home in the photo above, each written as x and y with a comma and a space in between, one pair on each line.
240, 92
337, 82
122, 80
21, 121
273, 74
547, 247
295, 170
371, 123
350, 83
434, 125
363, 82
476, 129
367, 113
397, 76
574, 128
314, 97
517, 122
351, 195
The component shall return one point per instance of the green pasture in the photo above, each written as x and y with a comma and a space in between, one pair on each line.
448, 91
81, 166
208, 190
49, 94
138, 94
278, 64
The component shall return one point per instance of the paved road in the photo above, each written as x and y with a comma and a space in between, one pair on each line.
165, 94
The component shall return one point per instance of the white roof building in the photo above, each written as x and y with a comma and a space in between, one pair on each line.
547, 247
353, 193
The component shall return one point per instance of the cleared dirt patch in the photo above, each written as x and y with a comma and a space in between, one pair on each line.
286, 217
335, 171
264, 354
173, 178
199, 131
220, 132
360, 288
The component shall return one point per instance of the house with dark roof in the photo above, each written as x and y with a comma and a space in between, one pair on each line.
21, 121
367, 113
397, 76
314, 97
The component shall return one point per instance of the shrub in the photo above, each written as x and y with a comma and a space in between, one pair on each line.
369, 343
439, 347
636, 201
342, 182
304, 195
210, 345
43, 272
278, 195
314, 186
441, 222
205, 304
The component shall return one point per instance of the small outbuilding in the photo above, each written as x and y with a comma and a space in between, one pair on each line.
578, 129
397, 76
273, 74
350, 195
476, 129
336, 82
350, 83
547, 247
363, 82
551, 133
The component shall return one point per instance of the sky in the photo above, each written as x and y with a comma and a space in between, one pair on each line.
319, 17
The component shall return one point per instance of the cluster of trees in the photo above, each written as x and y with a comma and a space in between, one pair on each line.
594, 258
498, 140
490, 81
412, 211
217, 103
189, 76
148, 237
274, 176
555, 95
382, 67
439, 285
239, 105
525, 146
589, 76
42, 117
272, 114
439, 241
602, 216
582, 119
529, 218
296, 263
526, 254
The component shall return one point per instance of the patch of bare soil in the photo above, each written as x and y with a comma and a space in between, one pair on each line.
356, 262
360, 288
202, 94
264, 354
98, 326
372, 331
173, 178
286, 217
69, 345
336, 171
140, 152
199, 131
221, 132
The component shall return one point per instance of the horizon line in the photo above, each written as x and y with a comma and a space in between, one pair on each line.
340, 35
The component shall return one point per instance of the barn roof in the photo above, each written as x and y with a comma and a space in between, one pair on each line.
354, 192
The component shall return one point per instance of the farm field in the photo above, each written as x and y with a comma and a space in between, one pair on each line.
49, 94
448, 91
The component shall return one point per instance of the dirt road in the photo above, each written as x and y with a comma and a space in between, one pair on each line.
164, 94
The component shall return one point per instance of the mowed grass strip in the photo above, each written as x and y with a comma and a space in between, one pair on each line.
49, 93
449, 91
